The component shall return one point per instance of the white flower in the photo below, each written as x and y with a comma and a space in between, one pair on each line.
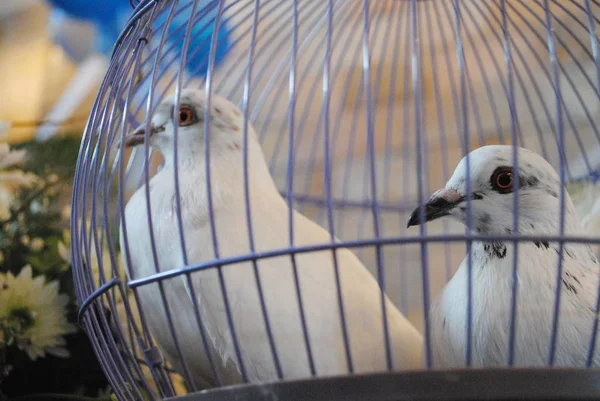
65, 213
25, 240
63, 252
12, 179
53, 178
41, 310
63, 247
37, 244
10, 158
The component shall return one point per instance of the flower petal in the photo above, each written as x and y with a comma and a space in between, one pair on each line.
64, 253
12, 158
48, 308
59, 352
17, 178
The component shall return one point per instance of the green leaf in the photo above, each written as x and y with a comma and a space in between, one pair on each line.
57, 154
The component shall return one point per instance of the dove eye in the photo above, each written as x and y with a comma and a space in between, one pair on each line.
502, 180
186, 116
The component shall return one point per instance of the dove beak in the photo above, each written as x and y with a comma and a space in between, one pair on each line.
138, 136
439, 205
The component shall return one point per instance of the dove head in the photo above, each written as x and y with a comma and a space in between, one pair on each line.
492, 190
226, 127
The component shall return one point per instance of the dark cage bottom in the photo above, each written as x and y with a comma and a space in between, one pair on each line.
468, 384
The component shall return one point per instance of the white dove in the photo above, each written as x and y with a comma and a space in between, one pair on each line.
491, 174
270, 213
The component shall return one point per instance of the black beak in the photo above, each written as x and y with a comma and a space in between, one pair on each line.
138, 136
439, 205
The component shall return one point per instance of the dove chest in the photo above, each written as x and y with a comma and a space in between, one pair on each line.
492, 289
153, 230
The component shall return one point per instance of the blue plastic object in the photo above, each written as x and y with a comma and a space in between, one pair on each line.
109, 18
103, 11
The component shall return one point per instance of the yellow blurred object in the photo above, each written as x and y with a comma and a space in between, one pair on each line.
33, 74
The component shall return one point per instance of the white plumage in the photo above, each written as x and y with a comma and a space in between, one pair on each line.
586, 199
492, 175
269, 213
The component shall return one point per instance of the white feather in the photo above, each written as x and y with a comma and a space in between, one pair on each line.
586, 199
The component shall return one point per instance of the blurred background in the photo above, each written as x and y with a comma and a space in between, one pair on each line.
40, 82
35, 71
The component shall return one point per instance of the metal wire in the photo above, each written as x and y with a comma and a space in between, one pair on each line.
362, 110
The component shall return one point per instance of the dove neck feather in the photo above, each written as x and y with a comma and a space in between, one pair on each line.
227, 168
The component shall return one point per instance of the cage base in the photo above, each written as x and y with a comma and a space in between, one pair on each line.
467, 384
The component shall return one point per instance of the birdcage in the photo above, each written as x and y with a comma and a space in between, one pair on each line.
362, 109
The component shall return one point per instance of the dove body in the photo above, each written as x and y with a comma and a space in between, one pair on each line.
492, 189
269, 215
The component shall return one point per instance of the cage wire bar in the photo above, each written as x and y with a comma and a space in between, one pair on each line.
362, 109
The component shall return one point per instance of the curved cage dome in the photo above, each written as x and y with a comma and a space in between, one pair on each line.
362, 109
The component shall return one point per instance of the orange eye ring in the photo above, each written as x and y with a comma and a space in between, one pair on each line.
502, 180
185, 116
